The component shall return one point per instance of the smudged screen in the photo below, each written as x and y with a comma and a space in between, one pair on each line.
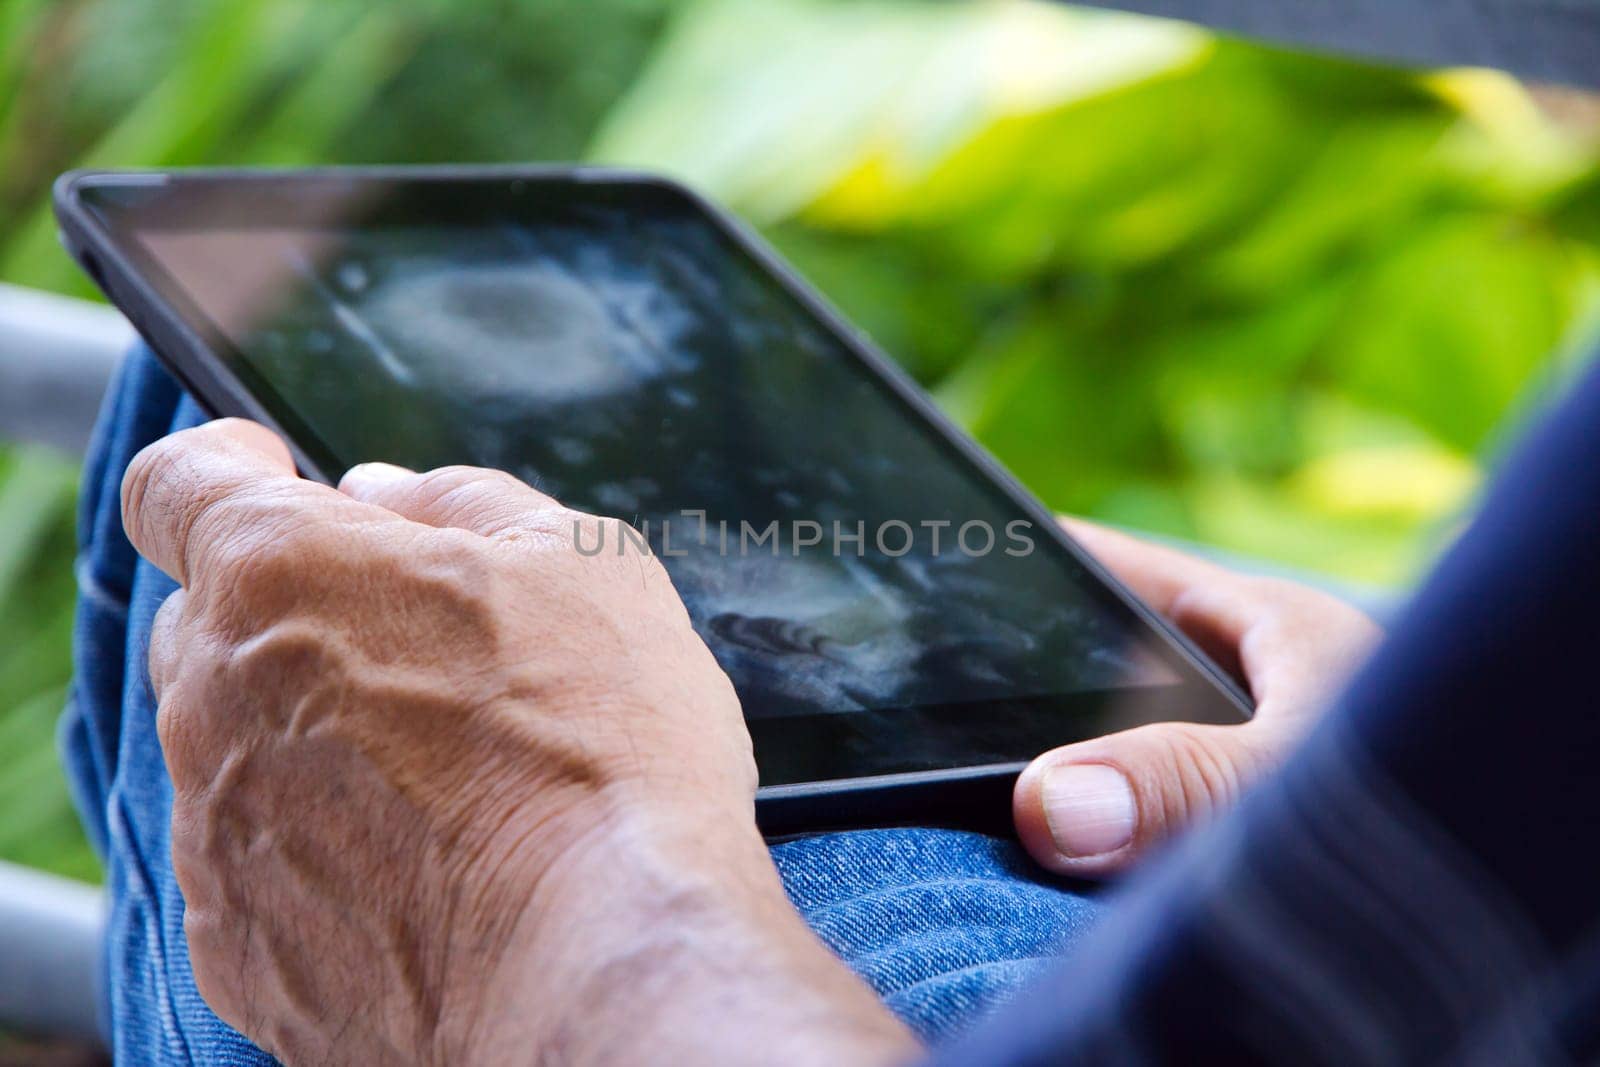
646, 368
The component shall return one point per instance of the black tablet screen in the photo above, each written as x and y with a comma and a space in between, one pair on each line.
881, 604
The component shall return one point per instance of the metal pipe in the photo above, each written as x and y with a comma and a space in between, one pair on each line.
51, 930
56, 356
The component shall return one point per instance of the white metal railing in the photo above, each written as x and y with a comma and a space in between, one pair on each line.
50, 947
56, 355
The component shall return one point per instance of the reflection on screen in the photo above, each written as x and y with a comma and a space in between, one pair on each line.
647, 370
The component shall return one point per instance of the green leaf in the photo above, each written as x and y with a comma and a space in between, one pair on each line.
1454, 322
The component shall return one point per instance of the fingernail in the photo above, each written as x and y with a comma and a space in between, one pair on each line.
1089, 808
371, 476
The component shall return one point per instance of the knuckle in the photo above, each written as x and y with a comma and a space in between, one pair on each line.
165, 638
561, 538
1315, 610
170, 614
224, 529
615, 535
619, 540
1317, 619
1194, 605
178, 730
1288, 601
1183, 773
1294, 599
295, 539
449, 560
447, 488
258, 549
196, 876
581, 529
215, 951
238, 523
1269, 587
183, 720
1198, 770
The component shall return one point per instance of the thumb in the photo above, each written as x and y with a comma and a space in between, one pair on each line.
1091, 809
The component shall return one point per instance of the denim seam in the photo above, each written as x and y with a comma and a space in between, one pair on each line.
93, 588
971, 968
822, 911
134, 863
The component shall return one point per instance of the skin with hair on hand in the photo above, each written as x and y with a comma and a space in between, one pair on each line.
448, 791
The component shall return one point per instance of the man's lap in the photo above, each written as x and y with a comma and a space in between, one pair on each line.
943, 924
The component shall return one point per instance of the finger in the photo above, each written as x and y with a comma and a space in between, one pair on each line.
1289, 644
164, 643
486, 502
1212, 605
1283, 640
1091, 809
176, 489
1156, 574
1300, 646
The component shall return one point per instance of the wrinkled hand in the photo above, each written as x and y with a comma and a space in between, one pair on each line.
1093, 808
447, 790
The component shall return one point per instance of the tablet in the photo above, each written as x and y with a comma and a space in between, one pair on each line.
905, 625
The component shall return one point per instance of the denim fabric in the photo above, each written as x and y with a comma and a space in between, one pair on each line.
944, 925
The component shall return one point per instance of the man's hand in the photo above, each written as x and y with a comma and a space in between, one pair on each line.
447, 790
1093, 808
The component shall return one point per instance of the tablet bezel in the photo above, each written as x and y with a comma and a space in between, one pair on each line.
973, 796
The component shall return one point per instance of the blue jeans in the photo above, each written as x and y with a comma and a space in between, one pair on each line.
944, 925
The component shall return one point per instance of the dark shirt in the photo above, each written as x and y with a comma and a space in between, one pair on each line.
1542, 40
1420, 884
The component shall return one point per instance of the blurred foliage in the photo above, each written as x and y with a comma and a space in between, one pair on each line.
283, 82
1276, 303
286, 82
37, 825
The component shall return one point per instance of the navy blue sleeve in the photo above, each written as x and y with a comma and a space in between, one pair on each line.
1545, 40
1420, 883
